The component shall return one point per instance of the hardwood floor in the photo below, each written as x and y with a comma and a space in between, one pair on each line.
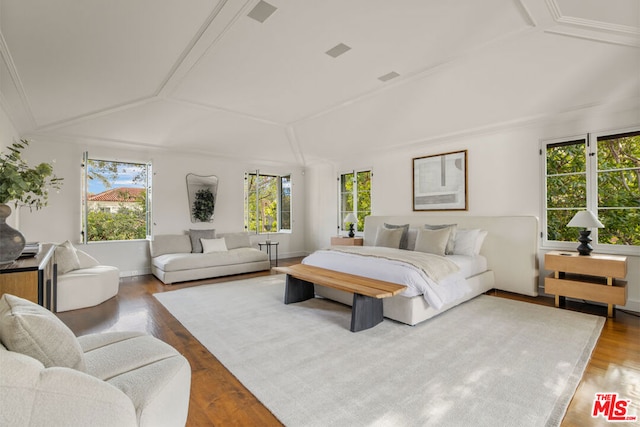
219, 399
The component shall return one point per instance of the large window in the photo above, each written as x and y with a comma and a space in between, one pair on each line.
267, 206
599, 172
116, 200
355, 196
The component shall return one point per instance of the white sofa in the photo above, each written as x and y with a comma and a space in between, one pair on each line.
48, 377
82, 281
180, 257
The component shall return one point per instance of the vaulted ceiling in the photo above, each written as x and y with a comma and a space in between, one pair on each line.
206, 76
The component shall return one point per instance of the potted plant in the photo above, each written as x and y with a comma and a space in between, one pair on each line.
203, 205
24, 186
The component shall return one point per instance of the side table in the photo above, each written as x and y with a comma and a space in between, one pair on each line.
270, 245
33, 278
346, 241
593, 277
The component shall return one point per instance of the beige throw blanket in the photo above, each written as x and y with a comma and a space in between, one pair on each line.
433, 266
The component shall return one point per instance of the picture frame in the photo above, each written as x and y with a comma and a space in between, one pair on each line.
440, 182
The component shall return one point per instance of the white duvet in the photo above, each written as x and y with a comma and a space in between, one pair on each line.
447, 284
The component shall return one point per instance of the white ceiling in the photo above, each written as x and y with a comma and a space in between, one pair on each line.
201, 76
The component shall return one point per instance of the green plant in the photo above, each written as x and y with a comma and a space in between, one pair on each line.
24, 185
203, 205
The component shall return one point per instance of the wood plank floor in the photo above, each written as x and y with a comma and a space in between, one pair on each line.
219, 399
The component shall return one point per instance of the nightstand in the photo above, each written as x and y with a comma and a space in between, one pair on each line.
591, 277
346, 241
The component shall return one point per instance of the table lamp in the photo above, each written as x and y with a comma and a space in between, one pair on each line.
587, 220
351, 219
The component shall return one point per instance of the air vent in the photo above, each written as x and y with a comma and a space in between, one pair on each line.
262, 11
388, 76
338, 50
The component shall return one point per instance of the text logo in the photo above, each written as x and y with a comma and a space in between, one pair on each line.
611, 408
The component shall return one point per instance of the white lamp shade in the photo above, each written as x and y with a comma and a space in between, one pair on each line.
585, 219
351, 218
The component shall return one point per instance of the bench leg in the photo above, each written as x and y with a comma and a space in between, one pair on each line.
297, 290
366, 312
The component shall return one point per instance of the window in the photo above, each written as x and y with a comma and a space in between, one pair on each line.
267, 206
116, 200
355, 196
599, 172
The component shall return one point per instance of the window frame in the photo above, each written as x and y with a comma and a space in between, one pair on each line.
279, 202
591, 140
84, 237
340, 217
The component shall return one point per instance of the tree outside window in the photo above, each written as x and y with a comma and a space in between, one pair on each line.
355, 196
267, 202
116, 200
599, 173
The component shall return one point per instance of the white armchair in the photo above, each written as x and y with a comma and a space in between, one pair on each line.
82, 280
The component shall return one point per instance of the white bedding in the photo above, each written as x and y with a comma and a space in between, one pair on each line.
436, 293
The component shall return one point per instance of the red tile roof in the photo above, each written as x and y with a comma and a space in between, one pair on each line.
122, 194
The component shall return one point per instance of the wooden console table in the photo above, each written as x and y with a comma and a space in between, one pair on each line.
34, 278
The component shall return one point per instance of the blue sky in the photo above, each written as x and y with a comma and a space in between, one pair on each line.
126, 172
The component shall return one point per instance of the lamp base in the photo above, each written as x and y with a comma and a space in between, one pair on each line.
584, 239
351, 231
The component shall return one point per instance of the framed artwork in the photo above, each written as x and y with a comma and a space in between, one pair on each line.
440, 182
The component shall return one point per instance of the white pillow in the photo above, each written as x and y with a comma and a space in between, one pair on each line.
66, 258
213, 245
433, 241
389, 238
469, 242
28, 328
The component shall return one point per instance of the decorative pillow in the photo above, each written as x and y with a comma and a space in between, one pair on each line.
452, 236
404, 240
467, 242
479, 241
388, 238
30, 329
66, 258
196, 235
213, 245
237, 240
433, 241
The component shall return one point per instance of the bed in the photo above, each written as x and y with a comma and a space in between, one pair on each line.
505, 258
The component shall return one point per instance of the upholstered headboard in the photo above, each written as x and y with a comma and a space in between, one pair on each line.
511, 245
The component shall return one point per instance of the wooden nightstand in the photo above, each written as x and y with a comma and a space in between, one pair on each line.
590, 277
346, 241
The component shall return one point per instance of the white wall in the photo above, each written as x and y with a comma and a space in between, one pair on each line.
504, 177
8, 135
61, 220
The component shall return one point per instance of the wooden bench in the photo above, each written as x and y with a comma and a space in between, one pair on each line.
366, 311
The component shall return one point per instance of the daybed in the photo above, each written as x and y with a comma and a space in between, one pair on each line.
48, 377
504, 259
201, 255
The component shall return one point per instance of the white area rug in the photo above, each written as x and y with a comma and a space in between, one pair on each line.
487, 362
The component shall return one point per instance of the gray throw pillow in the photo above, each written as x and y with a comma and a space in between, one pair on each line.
388, 238
30, 329
452, 235
404, 240
237, 240
196, 235
433, 241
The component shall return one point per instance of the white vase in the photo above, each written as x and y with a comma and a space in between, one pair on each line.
11, 240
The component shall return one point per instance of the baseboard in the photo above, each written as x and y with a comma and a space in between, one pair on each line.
133, 273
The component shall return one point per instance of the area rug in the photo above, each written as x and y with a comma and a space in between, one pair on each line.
487, 362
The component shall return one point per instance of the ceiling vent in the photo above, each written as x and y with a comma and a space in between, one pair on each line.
262, 11
388, 76
338, 50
